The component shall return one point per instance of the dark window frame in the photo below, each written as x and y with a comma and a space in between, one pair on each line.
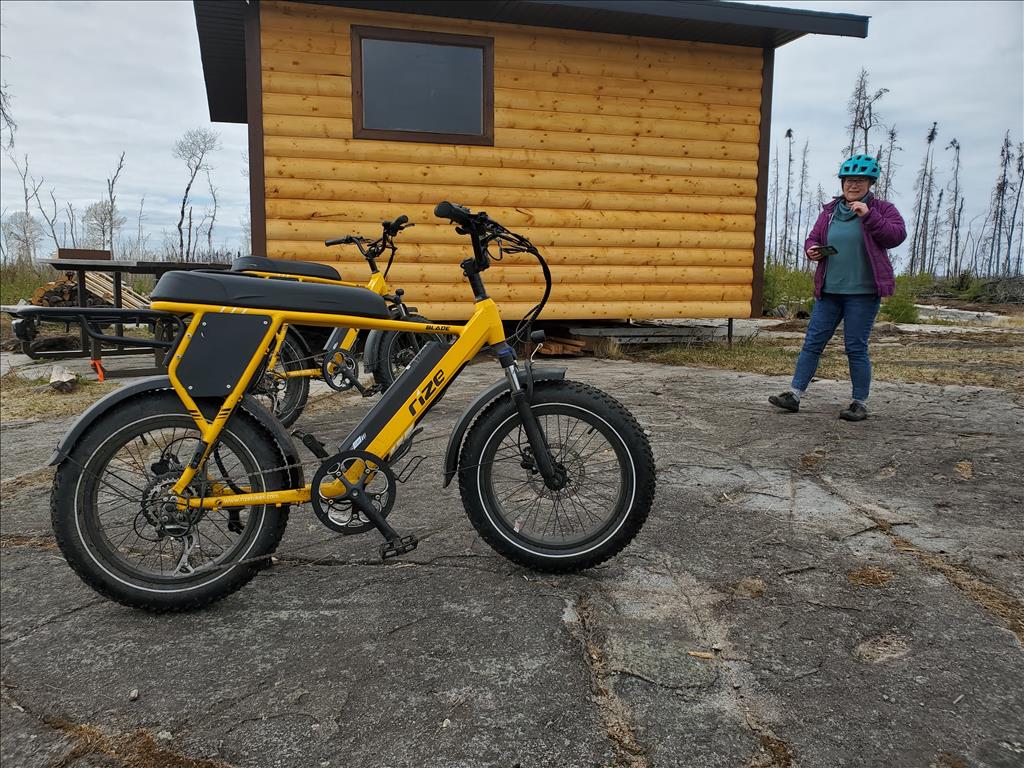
360, 33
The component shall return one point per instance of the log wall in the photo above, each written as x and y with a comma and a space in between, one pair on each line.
631, 162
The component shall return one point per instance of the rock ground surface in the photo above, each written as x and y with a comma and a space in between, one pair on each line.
806, 593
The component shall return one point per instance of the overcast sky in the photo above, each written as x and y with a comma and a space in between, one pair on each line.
91, 79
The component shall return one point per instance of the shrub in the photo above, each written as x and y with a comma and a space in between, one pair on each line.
792, 288
899, 308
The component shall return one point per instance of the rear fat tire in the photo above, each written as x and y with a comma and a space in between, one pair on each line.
634, 464
72, 511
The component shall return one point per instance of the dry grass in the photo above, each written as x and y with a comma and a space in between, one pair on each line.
869, 576
21, 398
987, 360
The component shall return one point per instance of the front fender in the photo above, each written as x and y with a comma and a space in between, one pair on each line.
158, 383
451, 456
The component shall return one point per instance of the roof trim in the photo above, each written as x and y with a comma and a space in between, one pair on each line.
220, 24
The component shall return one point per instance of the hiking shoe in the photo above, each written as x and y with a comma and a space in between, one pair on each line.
855, 412
786, 401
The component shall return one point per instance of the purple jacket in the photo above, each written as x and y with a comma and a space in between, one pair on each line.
883, 228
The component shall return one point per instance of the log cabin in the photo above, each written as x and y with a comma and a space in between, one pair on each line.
629, 140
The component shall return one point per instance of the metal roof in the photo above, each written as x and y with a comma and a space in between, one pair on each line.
222, 39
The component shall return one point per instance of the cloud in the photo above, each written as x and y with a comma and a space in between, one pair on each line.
958, 64
91, 80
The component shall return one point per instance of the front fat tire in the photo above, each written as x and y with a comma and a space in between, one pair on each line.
634, 464
77, 537
289, 406
394, 351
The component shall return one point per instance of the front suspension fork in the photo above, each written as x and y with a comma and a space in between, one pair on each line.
553, 474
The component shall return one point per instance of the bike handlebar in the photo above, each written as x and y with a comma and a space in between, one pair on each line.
340, 240
391, 228
454, 213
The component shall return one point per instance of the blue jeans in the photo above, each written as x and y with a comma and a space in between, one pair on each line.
857, 311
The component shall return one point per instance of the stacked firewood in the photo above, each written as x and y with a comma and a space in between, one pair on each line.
64, 293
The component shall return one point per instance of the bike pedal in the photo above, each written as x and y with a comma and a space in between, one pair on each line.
370, 391
400, 546
309, 440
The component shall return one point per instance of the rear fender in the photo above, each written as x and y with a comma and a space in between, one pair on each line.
160, 383
496, 390
371, 349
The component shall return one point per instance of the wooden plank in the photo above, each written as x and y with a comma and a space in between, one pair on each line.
324, 19
631, 259
345, 211
299, 126
497, 196
314, 147
305, 105
570, 63
529, 272
605, 310
307, 85
620, 86
278, 229
581, 104
439, 176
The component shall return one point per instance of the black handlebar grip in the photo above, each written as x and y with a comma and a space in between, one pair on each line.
452, 212
401, 220
338, 240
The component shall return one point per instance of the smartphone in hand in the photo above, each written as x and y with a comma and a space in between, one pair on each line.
827, 250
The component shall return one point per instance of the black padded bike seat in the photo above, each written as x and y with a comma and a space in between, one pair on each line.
223, 289
284, 267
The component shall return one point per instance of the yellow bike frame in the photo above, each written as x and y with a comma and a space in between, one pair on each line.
376, 283
396, 417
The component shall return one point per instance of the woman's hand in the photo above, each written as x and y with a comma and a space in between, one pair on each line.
859, 207
812, 253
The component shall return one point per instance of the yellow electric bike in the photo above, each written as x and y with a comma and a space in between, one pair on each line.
172, 493
283, 384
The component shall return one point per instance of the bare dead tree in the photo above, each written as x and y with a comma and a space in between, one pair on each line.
7, 122
213, 214
1015, 185
71, 225
50, 217
936, 225
111, 208
789, 188
863, 114
140, 240
918, 241
998, 205
194, 149
888, 163
188, 248
956, 208
798, 245
21, 229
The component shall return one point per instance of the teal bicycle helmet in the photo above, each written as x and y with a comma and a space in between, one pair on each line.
860, 165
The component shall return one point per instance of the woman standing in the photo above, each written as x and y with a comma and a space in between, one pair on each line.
848, 242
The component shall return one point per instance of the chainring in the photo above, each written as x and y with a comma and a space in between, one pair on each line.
375, 478
333, 374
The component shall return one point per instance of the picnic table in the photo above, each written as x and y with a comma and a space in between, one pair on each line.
90, 346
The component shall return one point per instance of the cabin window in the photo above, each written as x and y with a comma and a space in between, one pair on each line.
422, 86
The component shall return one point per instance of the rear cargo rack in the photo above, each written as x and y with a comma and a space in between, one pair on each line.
93, 321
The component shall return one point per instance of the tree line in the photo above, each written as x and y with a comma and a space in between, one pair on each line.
939, 241
42, 223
